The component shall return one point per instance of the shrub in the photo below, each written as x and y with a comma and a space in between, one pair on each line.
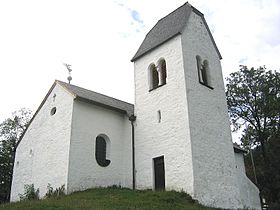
29, 193
114, 187
55, 193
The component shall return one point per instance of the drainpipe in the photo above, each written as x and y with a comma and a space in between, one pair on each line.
132, 118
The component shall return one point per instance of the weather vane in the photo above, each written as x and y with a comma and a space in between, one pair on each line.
68, 66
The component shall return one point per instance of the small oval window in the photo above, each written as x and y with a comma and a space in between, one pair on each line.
53, 111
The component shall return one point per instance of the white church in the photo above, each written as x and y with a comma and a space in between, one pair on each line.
175, 137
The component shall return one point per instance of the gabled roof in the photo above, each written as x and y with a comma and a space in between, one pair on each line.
168, 27
87, 96
98, 99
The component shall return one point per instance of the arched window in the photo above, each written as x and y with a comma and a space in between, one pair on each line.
102, 146
157, 74
203, 71
162, 71
199, 66
153, 77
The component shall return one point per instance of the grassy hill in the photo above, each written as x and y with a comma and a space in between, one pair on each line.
111, 198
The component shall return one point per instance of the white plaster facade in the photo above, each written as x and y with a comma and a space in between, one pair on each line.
59, 149
88, 122
213, 155
170, 137
249, 193
42, 156
193, 132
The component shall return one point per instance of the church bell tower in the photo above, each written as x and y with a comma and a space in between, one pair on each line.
182, 130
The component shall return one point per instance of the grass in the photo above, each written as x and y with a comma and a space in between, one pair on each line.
111, 198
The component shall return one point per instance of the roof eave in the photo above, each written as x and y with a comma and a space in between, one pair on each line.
239, 150
138, 55
123, 111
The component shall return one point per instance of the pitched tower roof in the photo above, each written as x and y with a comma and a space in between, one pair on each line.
168, 27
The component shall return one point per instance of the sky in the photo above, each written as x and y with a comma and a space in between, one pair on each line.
99, 38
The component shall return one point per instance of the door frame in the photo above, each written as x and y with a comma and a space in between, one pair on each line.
154, 172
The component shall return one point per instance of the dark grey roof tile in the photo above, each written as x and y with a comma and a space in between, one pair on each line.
168, 27
98, 99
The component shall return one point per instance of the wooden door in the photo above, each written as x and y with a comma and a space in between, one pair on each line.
159, 173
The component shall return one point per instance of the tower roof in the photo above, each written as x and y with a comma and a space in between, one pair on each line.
168, 27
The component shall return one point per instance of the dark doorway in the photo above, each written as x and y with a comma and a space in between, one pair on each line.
159, 173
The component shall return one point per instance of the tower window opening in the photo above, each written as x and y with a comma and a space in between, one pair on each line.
157, 74
203, 72
153, 77
162, 72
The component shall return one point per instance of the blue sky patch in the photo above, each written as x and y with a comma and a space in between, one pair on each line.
136, 16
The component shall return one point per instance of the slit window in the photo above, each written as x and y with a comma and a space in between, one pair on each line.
159, 116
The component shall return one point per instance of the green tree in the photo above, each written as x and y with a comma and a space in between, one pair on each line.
267, 173
11, 130
253, 97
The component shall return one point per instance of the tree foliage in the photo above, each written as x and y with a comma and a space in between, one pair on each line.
253, 97
267, 173
10, 131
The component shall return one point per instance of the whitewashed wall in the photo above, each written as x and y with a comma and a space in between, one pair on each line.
248, 191
215, 182
42, 155
89, 121
171, 136
213, 155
